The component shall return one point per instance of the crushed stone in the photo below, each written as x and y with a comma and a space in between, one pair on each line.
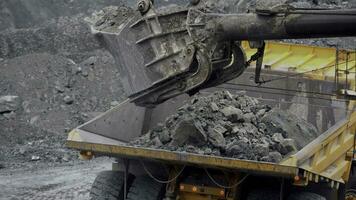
111, 18
237, 126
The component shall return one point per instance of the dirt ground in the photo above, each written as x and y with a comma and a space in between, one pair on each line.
70, 181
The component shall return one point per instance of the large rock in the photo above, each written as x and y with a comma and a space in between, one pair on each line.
288, 146
237, 149
290, 126
232, 113
186, 132
216, 137
262, 150
9, 104
274, 157
249, 118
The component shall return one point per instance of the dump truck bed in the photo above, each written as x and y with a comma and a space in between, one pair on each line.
83, 140
327, 158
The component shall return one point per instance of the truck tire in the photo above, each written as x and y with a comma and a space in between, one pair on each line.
305, 196
350, 194
144, 187
351, 190
108, 185
351, 185
263, 194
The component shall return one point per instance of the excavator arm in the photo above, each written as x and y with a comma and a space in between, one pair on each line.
173, 50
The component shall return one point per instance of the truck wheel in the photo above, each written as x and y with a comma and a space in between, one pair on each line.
351, 187
351, 190
305, 196
263, 194
108, 185
350, 194
144, 187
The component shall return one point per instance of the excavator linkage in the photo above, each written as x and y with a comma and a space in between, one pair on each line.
173, 50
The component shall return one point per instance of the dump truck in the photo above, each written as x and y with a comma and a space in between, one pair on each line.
166, 55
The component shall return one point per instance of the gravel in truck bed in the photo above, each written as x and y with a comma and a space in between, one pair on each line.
236, 126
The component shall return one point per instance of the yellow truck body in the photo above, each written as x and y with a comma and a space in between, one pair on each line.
328, 158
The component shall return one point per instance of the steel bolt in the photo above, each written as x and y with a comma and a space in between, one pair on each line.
189, 51
143, 6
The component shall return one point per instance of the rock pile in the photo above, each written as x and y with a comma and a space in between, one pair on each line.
43, 96
111, 18
236, 126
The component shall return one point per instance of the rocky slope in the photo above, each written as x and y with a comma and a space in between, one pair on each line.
53, 76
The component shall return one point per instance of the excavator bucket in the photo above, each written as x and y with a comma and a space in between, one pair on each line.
148, 50
157, 57
173, 50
